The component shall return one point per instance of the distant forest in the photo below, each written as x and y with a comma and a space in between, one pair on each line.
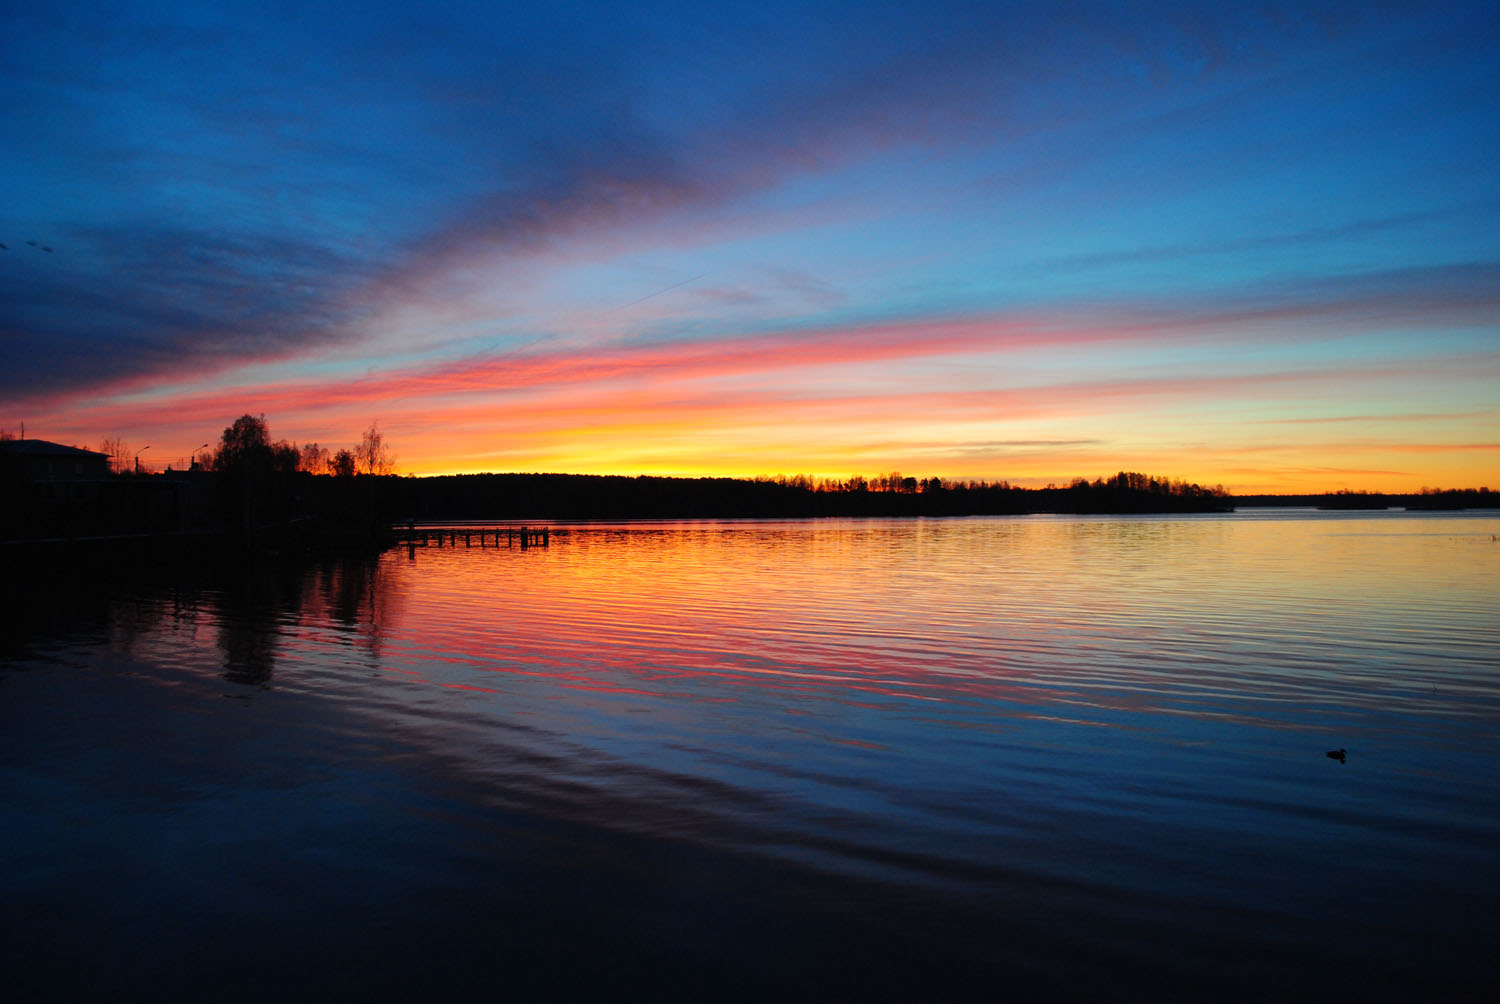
596, 497
1435, 499
604, 497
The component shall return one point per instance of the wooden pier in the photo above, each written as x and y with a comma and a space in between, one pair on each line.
484, 536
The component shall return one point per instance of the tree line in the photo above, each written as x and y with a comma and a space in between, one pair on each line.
263, 480
247, 444
602, 497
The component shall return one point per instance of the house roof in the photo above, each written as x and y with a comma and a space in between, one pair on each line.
42, 448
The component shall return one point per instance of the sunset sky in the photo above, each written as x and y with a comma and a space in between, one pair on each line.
1248, 244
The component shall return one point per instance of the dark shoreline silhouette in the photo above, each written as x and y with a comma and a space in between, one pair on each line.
596, 497
603, 497
1427, 500
261, 504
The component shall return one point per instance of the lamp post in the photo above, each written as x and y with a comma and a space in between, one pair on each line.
138, 458
193, 457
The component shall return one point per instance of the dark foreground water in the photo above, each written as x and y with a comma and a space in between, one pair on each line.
1003, 759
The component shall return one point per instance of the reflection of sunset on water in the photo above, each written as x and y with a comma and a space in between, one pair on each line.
1093, 620
996, 743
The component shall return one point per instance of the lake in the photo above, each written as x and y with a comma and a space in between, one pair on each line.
1028, 758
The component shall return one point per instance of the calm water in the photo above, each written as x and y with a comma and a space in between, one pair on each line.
1020, 758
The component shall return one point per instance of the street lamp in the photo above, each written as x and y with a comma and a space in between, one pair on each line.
193, 457
138, 458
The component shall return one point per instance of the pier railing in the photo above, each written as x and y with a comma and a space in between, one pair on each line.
469, 536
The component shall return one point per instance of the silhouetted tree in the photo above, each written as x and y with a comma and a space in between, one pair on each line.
313, 459
118, 453
372, 456
255, 473
284, 457
244, 445
341, 465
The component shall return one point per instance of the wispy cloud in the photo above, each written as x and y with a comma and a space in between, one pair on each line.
1400, 418
1343, 232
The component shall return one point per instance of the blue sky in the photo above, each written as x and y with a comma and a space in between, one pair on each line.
792, 230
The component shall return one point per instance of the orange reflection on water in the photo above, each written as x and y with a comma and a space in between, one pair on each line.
1087, 620
1101, 616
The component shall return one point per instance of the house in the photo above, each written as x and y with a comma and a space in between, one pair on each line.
48, 490
38, 460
